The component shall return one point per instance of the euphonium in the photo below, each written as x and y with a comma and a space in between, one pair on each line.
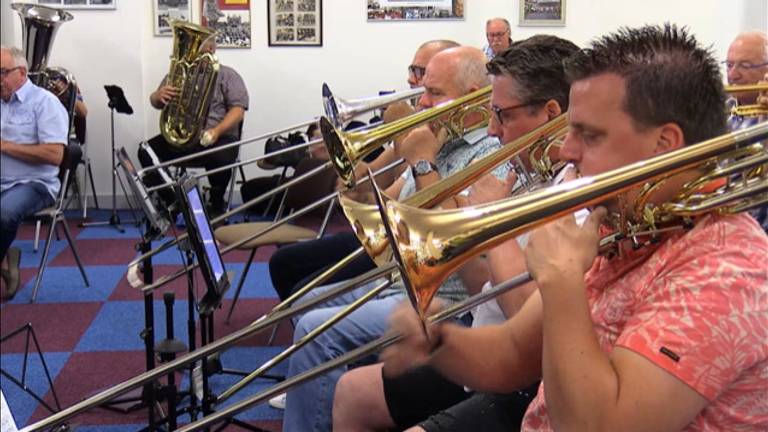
346, 149
430, 245
193, 73
365, 218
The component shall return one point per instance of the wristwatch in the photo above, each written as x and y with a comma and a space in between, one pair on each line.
423, 167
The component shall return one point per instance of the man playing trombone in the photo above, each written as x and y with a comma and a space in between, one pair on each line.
669, 335
309, 407
529, 89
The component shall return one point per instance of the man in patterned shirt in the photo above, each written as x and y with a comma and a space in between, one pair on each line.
667, 337
450, 74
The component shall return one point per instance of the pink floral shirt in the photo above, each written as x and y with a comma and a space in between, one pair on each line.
696, 306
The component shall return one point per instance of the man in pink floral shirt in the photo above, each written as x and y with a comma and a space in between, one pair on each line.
671, 336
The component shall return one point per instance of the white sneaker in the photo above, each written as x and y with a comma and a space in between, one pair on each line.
278, 402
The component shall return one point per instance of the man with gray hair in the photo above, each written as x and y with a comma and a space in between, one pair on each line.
450, 74
747, 62
498, 33
33, 133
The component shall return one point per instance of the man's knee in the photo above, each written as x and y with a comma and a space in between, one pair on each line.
310, 321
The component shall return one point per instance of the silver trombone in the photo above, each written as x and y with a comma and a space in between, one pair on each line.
340, 111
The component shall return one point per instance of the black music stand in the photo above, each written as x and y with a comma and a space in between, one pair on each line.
117, 101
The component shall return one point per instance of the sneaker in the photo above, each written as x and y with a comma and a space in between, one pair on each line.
278, 402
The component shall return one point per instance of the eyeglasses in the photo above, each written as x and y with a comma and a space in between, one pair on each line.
729, 65
417, 71
499, 112
5, 72
496, 35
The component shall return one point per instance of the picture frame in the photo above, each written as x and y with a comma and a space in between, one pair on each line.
542, 13
417, 10
166, 11
231, 19
295, 23
79, 4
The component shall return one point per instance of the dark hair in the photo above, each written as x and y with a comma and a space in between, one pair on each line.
668, 78
536, 66
311, 129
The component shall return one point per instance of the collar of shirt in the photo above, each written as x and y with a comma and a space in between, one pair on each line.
23, 91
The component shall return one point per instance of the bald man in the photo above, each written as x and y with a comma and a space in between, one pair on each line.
747, 62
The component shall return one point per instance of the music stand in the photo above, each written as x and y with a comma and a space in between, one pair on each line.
117, 102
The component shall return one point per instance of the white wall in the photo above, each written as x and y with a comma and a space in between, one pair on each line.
357, 58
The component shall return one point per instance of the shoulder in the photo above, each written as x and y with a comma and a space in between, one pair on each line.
228, 72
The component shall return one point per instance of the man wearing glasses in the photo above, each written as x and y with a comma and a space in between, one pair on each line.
498, 33
747, 62
33, 133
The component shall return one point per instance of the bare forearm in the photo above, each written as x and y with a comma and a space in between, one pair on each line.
465, 352
474, 274
581, 384
80, 109
39, 154
233, 117
154, 100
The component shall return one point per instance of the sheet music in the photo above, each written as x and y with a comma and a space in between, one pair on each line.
7, 424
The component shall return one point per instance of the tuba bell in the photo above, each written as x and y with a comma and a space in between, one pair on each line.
39, 25
193, 73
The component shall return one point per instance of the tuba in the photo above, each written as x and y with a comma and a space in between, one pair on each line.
39, 25
193, 73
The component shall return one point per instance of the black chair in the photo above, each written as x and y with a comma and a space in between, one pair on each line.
55, 214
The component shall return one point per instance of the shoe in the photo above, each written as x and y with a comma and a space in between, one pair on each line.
11, 275
278, 401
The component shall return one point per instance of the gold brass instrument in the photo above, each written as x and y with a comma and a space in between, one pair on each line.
348, 148
753, 110
193, 73
340, 111
430, 245
366, 220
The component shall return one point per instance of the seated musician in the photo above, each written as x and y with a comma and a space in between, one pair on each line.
667, 336
529, 89
292, 266
309, 407
225, 113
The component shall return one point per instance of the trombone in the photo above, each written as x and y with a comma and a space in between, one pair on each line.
508, 218
752, 110
340, 111
428, 196
430, 245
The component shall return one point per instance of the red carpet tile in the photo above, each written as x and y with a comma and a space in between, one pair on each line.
85, 374
110, 252
47, 322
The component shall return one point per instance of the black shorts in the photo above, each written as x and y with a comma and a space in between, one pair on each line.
483, 412
419, 393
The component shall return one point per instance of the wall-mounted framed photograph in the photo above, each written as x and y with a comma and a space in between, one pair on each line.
416, 10
79, 4
295, 22
231, 19
167, 11
542, 13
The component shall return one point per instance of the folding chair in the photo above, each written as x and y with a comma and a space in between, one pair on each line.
55, 214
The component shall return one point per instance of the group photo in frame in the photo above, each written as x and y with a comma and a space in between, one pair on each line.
295, 22
231, 19
166, 11
79, 4
542, 13
416, 10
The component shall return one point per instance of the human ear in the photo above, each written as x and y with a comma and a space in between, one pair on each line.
552, 109
670, 138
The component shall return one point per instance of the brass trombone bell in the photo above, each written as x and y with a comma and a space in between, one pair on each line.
430, 245
365, 218
340, 111
346, 149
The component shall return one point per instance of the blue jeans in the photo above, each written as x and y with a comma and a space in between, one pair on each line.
17, 203
308, 407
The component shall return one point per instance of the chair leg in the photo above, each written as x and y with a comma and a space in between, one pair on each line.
231, 188
93, 186
74, 249
43, 260
37, 236
240, 283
